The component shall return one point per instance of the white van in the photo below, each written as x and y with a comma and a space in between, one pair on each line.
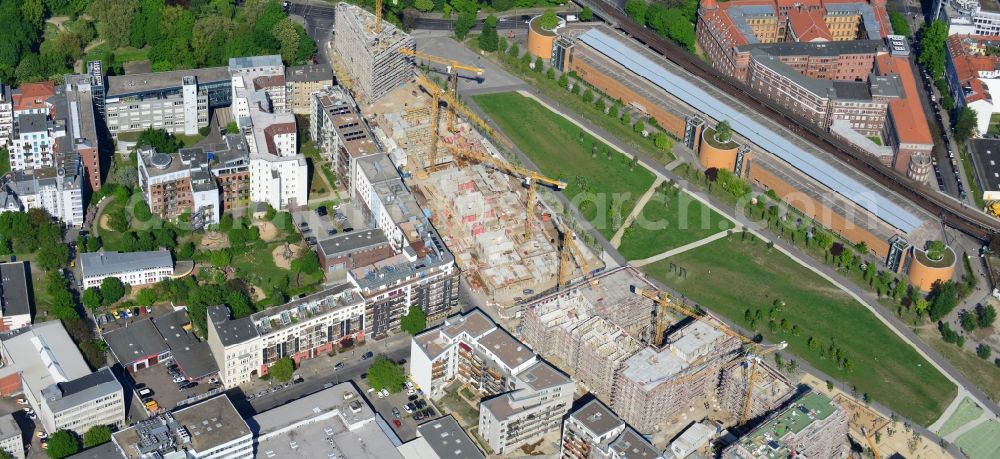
145, 392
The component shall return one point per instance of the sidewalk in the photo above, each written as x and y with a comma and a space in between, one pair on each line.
616, 240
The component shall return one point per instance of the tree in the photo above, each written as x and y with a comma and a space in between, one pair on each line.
288, 37
586, 14
943, 298
900, 26
550, 73
588, 96
548, 20
307, 264
52, 254
386, 374
661, 141
986, 315
232, 128
983, 351
638, 127
932, 47
489, 41
564, 82
282, 370
965, 124
464, 23
146, 296
514, 50
415, 321
97, 435
968, 321
723, 132
161, 140
92, 298
62, 444
141, 211
626, 119
636, 9
424, 5
114, 20
112, 290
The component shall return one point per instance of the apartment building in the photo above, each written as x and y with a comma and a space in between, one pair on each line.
133, 268
593, 431
969, 17
540, 397
6, 114
82, 123
304, 80
34, 98
813, 426
371, 56
15, 299
230, 165
973, 74
439, 439
347, 251
658, 384
301, 329
43, 364
33, 145
180, 183
278, 174
906, 126
11, 436
339, 131
56, 190
211, 429
178, 101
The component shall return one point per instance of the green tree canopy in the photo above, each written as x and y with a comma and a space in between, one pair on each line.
986, 315
932, 47
62, 444
386, 374
466, 20
415, 321
636, 9
97, 435
723, 131
161, 140
92, 298
549, 20
282, 370
935, 250
586, 14
112, 290
489, 41
943, 298
900, 26
965, 124
424, 5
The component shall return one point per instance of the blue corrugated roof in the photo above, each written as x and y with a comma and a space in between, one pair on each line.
771, 141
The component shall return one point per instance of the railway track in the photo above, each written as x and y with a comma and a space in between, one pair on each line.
951, 212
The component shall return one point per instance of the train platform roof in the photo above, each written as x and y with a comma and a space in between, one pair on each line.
763, 132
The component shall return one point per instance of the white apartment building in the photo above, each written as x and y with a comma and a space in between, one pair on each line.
33, 142
11, 437
211, 429
42, 363
278, 174
540, 397
302, 329
57, 191
970, 16
6, 114
135, 268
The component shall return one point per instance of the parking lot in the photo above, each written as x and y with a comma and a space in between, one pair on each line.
166, 392
326, 222
407, 428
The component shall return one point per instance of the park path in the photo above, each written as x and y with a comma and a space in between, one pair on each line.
984, 417
678, 250
950, 410
673, 164
616, 240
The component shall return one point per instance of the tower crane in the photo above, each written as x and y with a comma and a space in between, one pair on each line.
754, 349
437, 95
570, 249
871, 443
530, 177
452, 66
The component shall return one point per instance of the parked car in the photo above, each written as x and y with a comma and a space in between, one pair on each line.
145, 392
331, 232
321, 211
22, 402
381, 395
396, 423
384, 392
408, 408
411, 392
420, 404
418, 416
412, 397
367, 355
395, 412
338, 366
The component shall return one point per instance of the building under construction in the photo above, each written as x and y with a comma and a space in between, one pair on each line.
770, 388
368, 50
813, 426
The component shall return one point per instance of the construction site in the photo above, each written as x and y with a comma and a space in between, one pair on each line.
489, 211
367, 49
655, 362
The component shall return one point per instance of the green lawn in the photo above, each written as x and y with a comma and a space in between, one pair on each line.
967, 411
730, 277
981, 442
983, 373
4, 161
669, 221
604, 190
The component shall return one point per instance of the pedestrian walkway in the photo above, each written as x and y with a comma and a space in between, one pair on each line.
616, 240
984, 417
678, 250
673, 164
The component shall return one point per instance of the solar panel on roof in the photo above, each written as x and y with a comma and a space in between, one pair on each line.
773, 142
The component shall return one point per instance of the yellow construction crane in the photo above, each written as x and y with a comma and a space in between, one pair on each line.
437, 94
570, 249
871, 443
530, 177
756, 350
452, 66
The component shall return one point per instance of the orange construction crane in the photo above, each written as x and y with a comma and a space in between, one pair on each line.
452, 66
530, 177
871, 443
570, 249
754, 349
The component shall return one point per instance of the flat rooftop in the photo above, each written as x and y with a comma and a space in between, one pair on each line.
506, 348
631, 445
343, 401
858, 189
210, 424
99, 264
192, 355
44, 355
985, 155
125, 85
344, 243
318, 73
14, 288
543, 375
473, 323
448, 439
231, 331
597, 417
135, 341
809, 408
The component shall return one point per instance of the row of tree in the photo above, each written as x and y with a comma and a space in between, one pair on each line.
674, 20
65, 443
